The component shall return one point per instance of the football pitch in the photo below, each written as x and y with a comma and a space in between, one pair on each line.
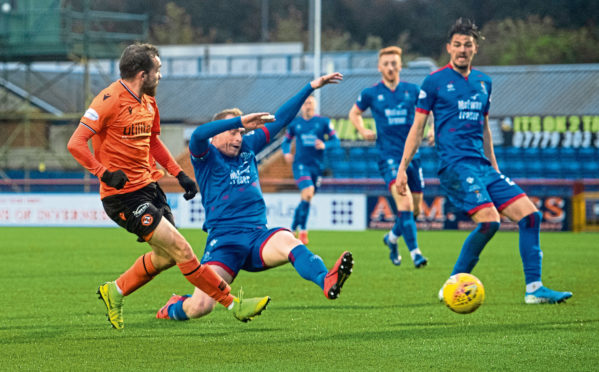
387, 317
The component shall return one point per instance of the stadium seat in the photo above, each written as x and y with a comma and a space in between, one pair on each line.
517, 168
342, 169
590, 169
552, 169
588, 154
359, 168
567, 155
372, 153
335, 154
373, 168
357, 153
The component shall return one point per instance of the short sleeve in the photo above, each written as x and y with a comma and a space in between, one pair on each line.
100, 111
363, 101
427, 95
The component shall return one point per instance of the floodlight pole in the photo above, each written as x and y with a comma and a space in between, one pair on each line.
317, 64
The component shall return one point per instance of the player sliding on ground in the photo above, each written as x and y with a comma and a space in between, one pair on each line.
238, 238
124, 125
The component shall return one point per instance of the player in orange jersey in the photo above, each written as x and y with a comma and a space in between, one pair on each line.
124, 125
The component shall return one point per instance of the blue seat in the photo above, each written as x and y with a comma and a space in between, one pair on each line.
512, 153
359, 168
568, 155
553, 169
588, 154
335, 154
590, 169
517, 168
535, 168
357, 153
571, 170
341, 169
372, 153
373, 169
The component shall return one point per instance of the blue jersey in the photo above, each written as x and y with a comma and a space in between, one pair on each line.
393, 113
459, 106
307, 132
230, 189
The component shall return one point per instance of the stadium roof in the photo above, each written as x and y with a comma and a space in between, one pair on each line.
517, 90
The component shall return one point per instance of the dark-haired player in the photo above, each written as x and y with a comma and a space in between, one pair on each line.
124, 126
238, 238
459, 98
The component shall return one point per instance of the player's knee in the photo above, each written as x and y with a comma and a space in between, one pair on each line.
181, 249
489, 228
199, 306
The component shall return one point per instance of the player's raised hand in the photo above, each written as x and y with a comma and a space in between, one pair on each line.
256, 120
288, 158
333, 78
401, 182
368, 134
319, 144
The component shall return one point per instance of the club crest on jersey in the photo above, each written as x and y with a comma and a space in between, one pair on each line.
484, 87
381, 97
150, 108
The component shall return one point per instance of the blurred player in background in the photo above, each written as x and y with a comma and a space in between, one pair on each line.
238, 238
312, 133
392, 103
459, 97
124, 125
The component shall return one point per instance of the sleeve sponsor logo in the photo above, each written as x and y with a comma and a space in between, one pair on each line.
422, 94
91, 114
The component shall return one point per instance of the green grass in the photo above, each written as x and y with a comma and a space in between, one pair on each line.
387, 317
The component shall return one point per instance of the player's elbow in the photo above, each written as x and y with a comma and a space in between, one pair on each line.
72, 146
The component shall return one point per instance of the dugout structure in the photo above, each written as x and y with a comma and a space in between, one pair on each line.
585, 211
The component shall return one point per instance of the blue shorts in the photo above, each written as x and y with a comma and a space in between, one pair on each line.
306, 176
388, 168
239, 249
474, 184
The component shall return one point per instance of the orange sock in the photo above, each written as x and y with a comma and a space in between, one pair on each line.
204, 278
139, 274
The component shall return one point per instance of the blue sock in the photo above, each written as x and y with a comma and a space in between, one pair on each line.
474, 244
304, 208
408, 229
397, 226
530, 246
175, 311
308, 265
296, 218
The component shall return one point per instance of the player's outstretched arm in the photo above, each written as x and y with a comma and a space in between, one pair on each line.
333, 78
410, 148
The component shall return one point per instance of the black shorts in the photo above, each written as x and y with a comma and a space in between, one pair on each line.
140, 211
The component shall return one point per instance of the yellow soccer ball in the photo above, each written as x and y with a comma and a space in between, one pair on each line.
463, 293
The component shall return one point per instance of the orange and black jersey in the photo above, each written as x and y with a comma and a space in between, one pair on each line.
123, 124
